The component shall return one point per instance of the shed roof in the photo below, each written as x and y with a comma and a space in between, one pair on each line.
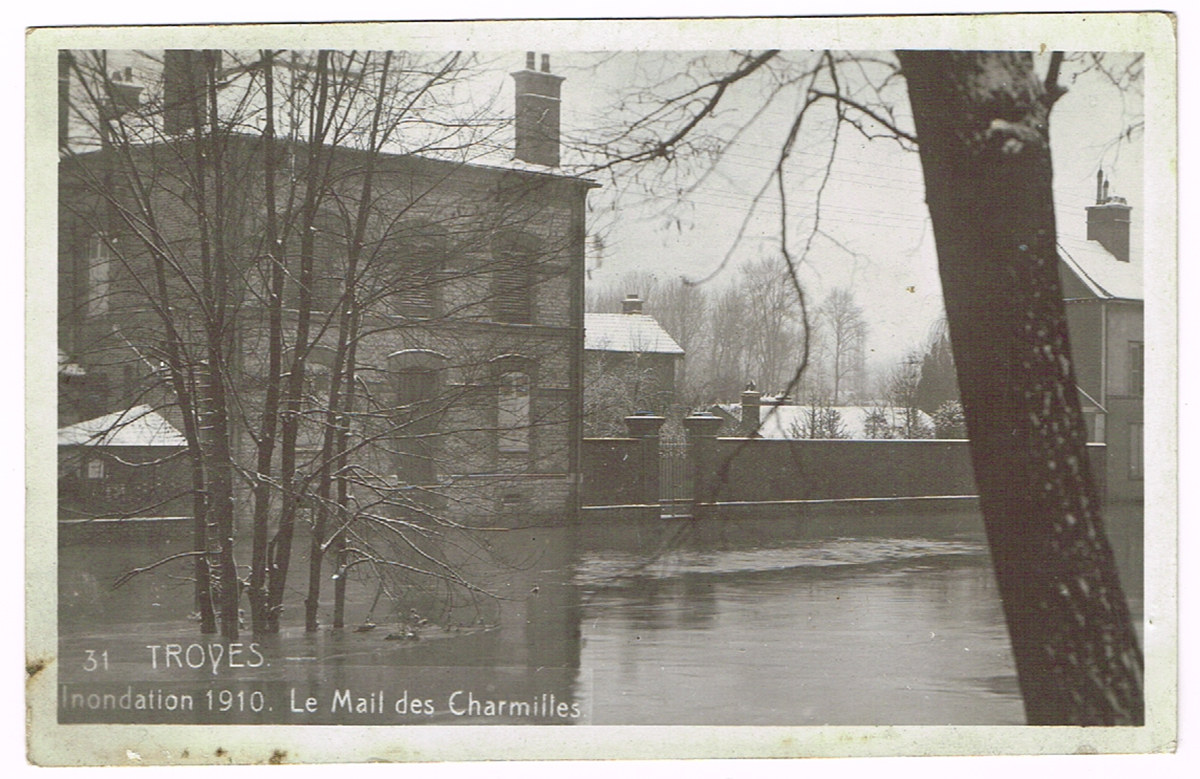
1097, 269
634, 333
139, 426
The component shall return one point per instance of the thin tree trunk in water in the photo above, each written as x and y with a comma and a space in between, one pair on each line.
214, 437
220, 331
280, 556
260, 611
982, 123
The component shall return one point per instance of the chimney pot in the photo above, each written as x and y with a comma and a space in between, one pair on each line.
632, 304
545, 63
530, 60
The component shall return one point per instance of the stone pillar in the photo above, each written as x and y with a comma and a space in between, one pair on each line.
644, 427
751, 416
702, 452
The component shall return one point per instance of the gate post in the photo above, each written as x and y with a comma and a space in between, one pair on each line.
644, 426
702, 443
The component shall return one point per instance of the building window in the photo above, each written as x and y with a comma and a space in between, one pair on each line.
516, 257
417, 374
95, 469
99, 263
416, 389
328, 266
1136, 470
414, 261
1137, 369
514, 416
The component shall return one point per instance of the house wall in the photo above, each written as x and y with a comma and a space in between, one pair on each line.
123, 481
1125, 401
655, 373
1102, 332
474, 211
1125, 326
1084, 319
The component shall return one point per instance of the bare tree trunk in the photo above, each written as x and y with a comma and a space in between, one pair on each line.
281, 551
982, 122
219, 339
259, 598
118, 215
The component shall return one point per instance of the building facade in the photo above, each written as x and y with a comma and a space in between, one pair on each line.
1102, 287
419, 320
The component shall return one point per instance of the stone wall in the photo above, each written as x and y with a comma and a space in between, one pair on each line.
756, 471
612, 469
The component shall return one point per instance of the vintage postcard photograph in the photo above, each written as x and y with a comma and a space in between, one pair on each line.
513, 390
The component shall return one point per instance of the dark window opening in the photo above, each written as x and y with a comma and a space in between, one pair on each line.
1136, 469
514, 417
414, 260
512, 294
99, 265
416, 422
1137, 369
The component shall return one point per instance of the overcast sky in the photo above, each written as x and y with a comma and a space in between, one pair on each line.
701, 220
879, 243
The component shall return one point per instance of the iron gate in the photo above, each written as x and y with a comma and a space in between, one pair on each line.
674, 477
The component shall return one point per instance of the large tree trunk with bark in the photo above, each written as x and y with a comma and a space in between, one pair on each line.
982, 124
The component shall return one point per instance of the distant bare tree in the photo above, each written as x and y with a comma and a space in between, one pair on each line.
843, 341
900, 396
774, 321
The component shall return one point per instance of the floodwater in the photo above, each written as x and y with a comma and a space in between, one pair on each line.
659, 622
839, 632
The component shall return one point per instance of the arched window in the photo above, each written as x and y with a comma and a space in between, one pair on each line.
513, 418
417, 374
516, 256
514, 377
99, 261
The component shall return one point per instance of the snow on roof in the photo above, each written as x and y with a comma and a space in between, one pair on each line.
788, 422
68, 368
636, 333
139, 426
1101, 272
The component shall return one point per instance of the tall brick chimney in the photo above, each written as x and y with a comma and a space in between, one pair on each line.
1108, 220
539, 95
65, 63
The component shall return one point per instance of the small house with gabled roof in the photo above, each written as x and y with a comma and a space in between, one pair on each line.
125, 464
632, 348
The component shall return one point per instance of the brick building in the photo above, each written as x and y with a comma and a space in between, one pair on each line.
462, 283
